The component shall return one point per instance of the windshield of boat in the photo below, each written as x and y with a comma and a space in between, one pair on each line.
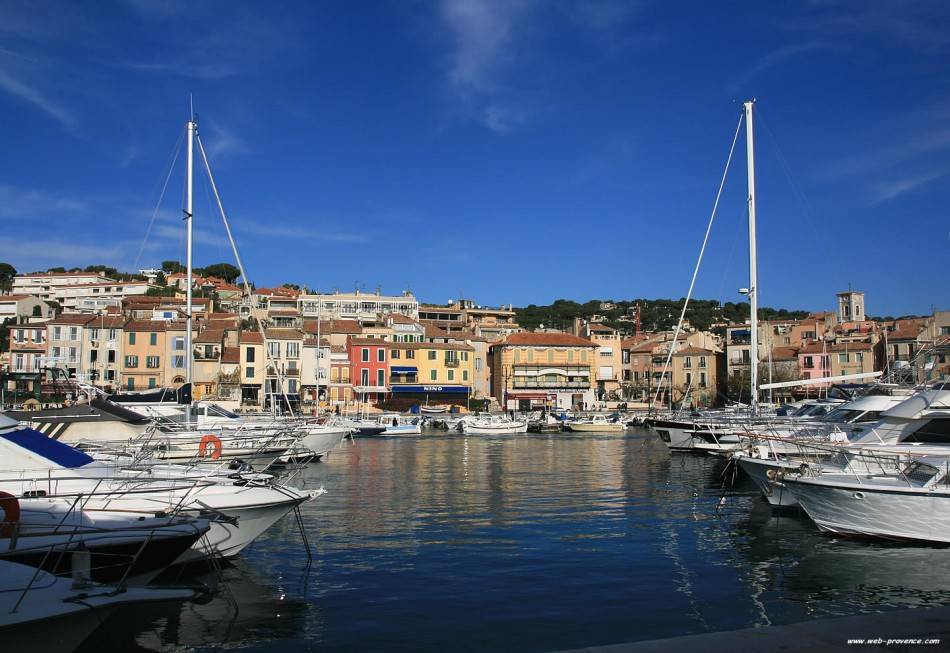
919, 473
218, 411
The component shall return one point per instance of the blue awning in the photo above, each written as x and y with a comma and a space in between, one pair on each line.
395, 369
431, 389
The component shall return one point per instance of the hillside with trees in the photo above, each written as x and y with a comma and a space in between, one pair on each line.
655, 314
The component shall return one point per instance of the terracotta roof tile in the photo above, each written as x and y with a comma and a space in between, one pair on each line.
231, 355
251, 338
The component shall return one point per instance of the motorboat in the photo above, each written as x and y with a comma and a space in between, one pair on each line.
41, 612
396, 424
595, 424
546, 423
493, 425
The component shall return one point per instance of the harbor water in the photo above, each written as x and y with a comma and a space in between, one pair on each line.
527, 543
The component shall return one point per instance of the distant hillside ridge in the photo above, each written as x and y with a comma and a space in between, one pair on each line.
655, 314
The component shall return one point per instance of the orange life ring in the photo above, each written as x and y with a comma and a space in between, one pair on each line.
216, 446
11, 514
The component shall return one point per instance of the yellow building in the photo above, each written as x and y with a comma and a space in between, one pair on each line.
543, 369
252, 368
144, 351
431, 372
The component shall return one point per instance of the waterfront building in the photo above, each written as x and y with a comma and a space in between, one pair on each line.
252, 368
175, 357
357, 305
64, 335
431, 373
369, 368
814, 362
28, 349
97, 297
164, 308
143, 351
102, 337
341, 389
901, 342
694, 376
208, 349
284, 350
315, 370
543, 369
609, 359
23, 308
851, 358
24, 375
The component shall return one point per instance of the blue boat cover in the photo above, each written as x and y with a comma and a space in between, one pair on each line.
39, 444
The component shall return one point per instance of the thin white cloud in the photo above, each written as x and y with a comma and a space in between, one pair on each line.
777, 57
32, 95
891, 189
277, 230
223, 142
30, 253
32, 204
482, 35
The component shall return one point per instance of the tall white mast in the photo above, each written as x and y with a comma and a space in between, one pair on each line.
192, 128
753, 272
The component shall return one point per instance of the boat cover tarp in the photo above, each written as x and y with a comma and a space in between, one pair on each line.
40, 445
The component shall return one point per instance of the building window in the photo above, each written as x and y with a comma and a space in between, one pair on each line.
583, 355
273, 349
73, 333
57, 333
465, 375
451, 375
72, 355
110, 356
178, 361
293, 350
153, 339
132, 361
702, 361
381, 355
432, 355
530, 355
433, 375
478, 364
20, 335
570, 355
517, 356
365, 356
249, 372
687, 362
130, 384
178, 344
112, 334
410, 353
858, 357
550, 355
93, 334
380, 377
18, 364
702, 379
151, 382
93, 355
292, 386
395, 354
152, 362
364, 377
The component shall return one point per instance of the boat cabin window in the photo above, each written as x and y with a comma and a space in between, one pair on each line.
936, 431
869, 416
841, 415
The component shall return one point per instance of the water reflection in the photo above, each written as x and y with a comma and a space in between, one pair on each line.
533, 543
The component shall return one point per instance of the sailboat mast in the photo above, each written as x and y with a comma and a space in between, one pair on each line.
753, 271
189, 208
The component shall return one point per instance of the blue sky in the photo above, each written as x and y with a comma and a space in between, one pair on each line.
509, 151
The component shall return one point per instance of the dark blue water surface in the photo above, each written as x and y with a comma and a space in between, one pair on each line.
527, 543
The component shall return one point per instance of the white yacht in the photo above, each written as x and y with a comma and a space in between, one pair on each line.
493, 425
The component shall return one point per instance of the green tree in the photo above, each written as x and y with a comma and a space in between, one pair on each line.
171, 267
7, 273
160, 279
224, 271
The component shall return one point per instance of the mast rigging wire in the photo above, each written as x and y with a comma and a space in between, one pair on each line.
176, 151
692, 283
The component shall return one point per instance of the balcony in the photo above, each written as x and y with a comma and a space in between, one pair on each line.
531, 385
451, 362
